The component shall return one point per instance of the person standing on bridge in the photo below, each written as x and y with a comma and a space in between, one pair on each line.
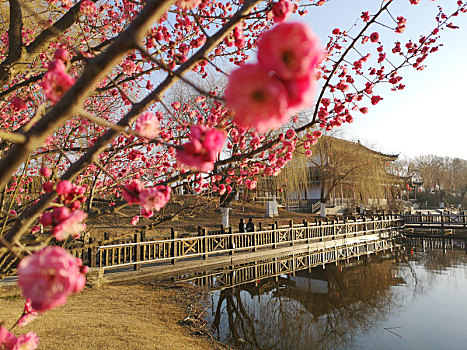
241, 226
250, 226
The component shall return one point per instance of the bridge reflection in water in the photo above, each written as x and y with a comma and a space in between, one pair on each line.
292, 302
306, 309
254, 271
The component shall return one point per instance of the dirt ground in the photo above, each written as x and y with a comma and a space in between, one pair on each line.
130, 316
140, 315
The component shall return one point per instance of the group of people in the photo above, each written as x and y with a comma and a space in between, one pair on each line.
248, 227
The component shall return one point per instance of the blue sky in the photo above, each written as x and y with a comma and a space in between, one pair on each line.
429, 115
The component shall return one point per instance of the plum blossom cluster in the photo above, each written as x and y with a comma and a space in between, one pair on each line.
202, 150
88, 8
49, 276
64, 222
9, 341
266, 94
68, 219
56, 82
282, 9
150, 198
147, 125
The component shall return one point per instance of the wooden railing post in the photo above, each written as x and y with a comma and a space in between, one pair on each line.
292, 233
231, 242
274, 232
253, 240
143, 247
174, 246
307, 232
92, 252
204, 243
321, 230
137, 253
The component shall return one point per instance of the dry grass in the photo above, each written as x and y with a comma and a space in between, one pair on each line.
136, 316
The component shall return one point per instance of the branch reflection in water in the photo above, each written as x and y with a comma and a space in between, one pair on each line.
327, 308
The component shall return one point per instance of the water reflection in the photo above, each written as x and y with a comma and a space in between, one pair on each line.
361, 304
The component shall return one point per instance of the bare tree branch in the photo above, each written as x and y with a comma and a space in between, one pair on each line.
99, 66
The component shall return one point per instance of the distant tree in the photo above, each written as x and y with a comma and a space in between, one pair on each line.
443, 177
459, 176
350, 168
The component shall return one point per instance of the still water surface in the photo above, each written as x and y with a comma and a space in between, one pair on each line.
397, 301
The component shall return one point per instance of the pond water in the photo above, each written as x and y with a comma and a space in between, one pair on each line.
408, 299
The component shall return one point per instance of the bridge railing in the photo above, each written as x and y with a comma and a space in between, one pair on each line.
436, 220
204, 245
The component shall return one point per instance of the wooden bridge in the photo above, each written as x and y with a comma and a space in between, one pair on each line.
176, 255
179, 255
436, 221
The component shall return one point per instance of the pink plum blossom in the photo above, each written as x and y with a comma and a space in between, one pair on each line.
28, 341
129, 67
18, 104
49, 276
202, 149
268, 171
57, 65
300, 92
46, 219
7, 340
60, 214
62, 54
64, 187
72, 225
258, 99
289, 49
48, 186
146, 213
88, 8
134, 220
290, 134
132, 190
187, 4
250, 184
147, 125
55, 84
374, 37
155, 198
375, 99
222, 189
46, 172
282, 9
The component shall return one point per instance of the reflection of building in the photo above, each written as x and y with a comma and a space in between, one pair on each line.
321, 291
320, 309
338, 172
